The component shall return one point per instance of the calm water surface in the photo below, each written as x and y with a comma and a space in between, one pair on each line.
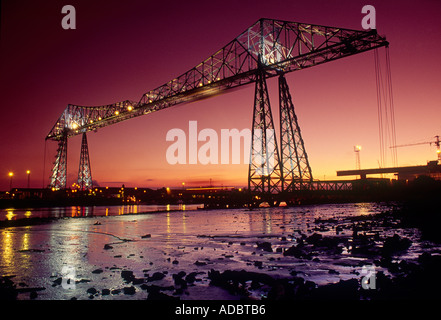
92, 211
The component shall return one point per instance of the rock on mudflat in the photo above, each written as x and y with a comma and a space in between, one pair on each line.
156, 276
129, 290
345, 290
97, 271
265, 246
105, 292
395, 244
91, 291
127, 275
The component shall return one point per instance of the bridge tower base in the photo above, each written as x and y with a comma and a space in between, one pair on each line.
59, 170
84, 171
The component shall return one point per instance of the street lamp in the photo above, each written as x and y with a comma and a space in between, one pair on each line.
28, 172
10, 174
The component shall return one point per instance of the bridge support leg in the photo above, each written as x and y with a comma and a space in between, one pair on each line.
59, 170
264, 174
296, 171
84, 171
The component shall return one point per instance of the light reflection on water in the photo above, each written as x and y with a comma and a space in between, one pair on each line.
223, 239
92, 211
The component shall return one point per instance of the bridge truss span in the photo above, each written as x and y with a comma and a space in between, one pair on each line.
266, 49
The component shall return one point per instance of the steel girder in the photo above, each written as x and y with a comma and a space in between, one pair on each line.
274, 45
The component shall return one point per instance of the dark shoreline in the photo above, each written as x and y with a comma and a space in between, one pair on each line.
422, 189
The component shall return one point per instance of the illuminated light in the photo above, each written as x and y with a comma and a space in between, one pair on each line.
130, 108
91, 121
10, 214
200, 84
116, 112
53, 188
11, 174
28, 171
240, 189
107, 187
357, 148
99, 118
74, 126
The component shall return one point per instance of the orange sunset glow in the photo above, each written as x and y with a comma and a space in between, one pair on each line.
121, 50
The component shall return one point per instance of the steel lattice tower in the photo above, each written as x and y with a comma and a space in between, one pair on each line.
264, 174
296, 171
84, 172
59, 171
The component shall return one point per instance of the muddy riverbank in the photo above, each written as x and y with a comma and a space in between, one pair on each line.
321, 252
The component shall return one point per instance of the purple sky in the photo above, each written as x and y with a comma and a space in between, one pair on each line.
122, 49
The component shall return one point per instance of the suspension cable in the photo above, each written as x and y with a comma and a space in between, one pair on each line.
392, 109
385, 110
379, 108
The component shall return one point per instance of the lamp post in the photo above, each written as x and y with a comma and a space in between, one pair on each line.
10, 174
357, 150
28, 172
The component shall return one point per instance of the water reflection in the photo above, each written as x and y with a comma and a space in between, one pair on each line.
7, 248
10, 214
15, 247
77, 211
